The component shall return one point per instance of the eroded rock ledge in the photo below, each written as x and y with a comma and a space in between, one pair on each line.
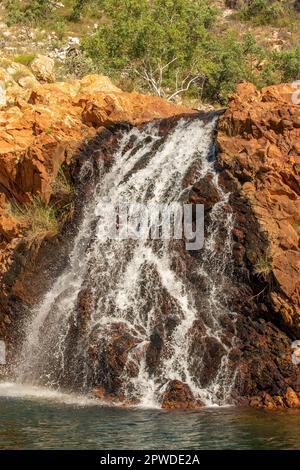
259, 143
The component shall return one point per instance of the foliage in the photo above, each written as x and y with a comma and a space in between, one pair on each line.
288, 63
60, 29
263, 267
39, 218
76, 65
166, 44
262, 12
173, 46
229, 61
135, 30
78, 9
166, 47
24, 59
28, 12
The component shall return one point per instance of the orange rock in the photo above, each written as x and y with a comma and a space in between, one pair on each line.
259, 138
291, 398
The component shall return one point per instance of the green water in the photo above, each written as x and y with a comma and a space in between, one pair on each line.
56, 421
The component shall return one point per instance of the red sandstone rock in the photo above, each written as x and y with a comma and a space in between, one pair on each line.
259, 142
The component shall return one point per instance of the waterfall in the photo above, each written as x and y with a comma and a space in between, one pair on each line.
131, 315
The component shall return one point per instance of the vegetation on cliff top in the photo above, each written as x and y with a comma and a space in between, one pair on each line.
169, 47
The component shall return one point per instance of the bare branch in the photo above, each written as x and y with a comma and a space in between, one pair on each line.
185, 88
155, 79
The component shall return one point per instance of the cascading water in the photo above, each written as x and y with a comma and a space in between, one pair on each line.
132, 315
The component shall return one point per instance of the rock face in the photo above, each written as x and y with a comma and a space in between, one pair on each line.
259, 142
259, 158
41, 129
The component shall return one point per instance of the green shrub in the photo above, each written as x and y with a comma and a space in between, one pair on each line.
28, 12
164, 45
288, 63
229, 60
76, 65
60, 28
24, 59
262, 12
78, 9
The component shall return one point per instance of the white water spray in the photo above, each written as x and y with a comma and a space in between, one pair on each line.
133, 288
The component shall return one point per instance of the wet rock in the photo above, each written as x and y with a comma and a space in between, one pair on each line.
204, 192
178, 395
211, 351
291, 398
264, 401
110, 358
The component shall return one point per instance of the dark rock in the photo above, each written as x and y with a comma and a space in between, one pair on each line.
178, 395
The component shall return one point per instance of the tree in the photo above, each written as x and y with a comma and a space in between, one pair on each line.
156, 42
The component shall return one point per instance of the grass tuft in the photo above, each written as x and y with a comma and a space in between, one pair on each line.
18, 74
24, 59
62, 185
39, 218
263, 267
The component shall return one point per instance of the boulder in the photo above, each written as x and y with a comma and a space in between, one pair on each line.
291, 398
95, 83
43, 68
178, 395
28, 82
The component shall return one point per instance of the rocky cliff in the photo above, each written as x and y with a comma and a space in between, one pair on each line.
259, 143
259, 156
50, 126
